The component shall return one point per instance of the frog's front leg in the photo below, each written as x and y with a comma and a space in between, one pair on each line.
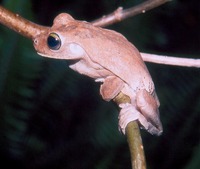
129, 113
111, 87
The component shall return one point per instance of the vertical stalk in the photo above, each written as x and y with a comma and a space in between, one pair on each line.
133, 138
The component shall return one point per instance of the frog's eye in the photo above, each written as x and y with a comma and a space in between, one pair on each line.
53, 41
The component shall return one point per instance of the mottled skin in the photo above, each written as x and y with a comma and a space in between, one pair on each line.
109, 58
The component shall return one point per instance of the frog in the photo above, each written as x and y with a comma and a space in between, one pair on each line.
111, 60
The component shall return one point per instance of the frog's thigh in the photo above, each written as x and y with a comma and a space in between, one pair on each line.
111, 87
147, 105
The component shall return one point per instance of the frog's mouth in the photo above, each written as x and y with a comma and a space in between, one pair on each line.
71, 61
47, 56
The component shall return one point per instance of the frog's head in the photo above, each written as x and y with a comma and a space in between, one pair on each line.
57, 42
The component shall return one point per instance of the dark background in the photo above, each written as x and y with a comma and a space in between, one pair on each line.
52, 117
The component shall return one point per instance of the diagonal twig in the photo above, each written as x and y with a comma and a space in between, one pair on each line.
19, 24
120, 14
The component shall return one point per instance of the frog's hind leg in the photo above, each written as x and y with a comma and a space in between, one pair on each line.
111, 87
148, 106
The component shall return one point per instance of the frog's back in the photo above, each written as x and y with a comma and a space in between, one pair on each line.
116, 54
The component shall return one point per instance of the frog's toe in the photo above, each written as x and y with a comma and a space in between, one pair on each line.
155, 131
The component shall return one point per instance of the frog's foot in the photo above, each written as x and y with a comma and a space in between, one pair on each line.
127, 114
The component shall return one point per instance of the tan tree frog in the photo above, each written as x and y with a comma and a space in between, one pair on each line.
109, 58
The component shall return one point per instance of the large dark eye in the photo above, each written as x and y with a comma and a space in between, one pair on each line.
54, 41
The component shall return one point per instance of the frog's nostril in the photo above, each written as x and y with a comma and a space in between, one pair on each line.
35, 41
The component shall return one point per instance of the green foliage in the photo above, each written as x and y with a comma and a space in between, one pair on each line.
52, 117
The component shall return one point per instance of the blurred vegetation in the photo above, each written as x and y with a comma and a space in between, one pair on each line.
52, 117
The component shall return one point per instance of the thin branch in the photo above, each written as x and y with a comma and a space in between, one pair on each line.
120, 14
169, 60
19, 24
133, 138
